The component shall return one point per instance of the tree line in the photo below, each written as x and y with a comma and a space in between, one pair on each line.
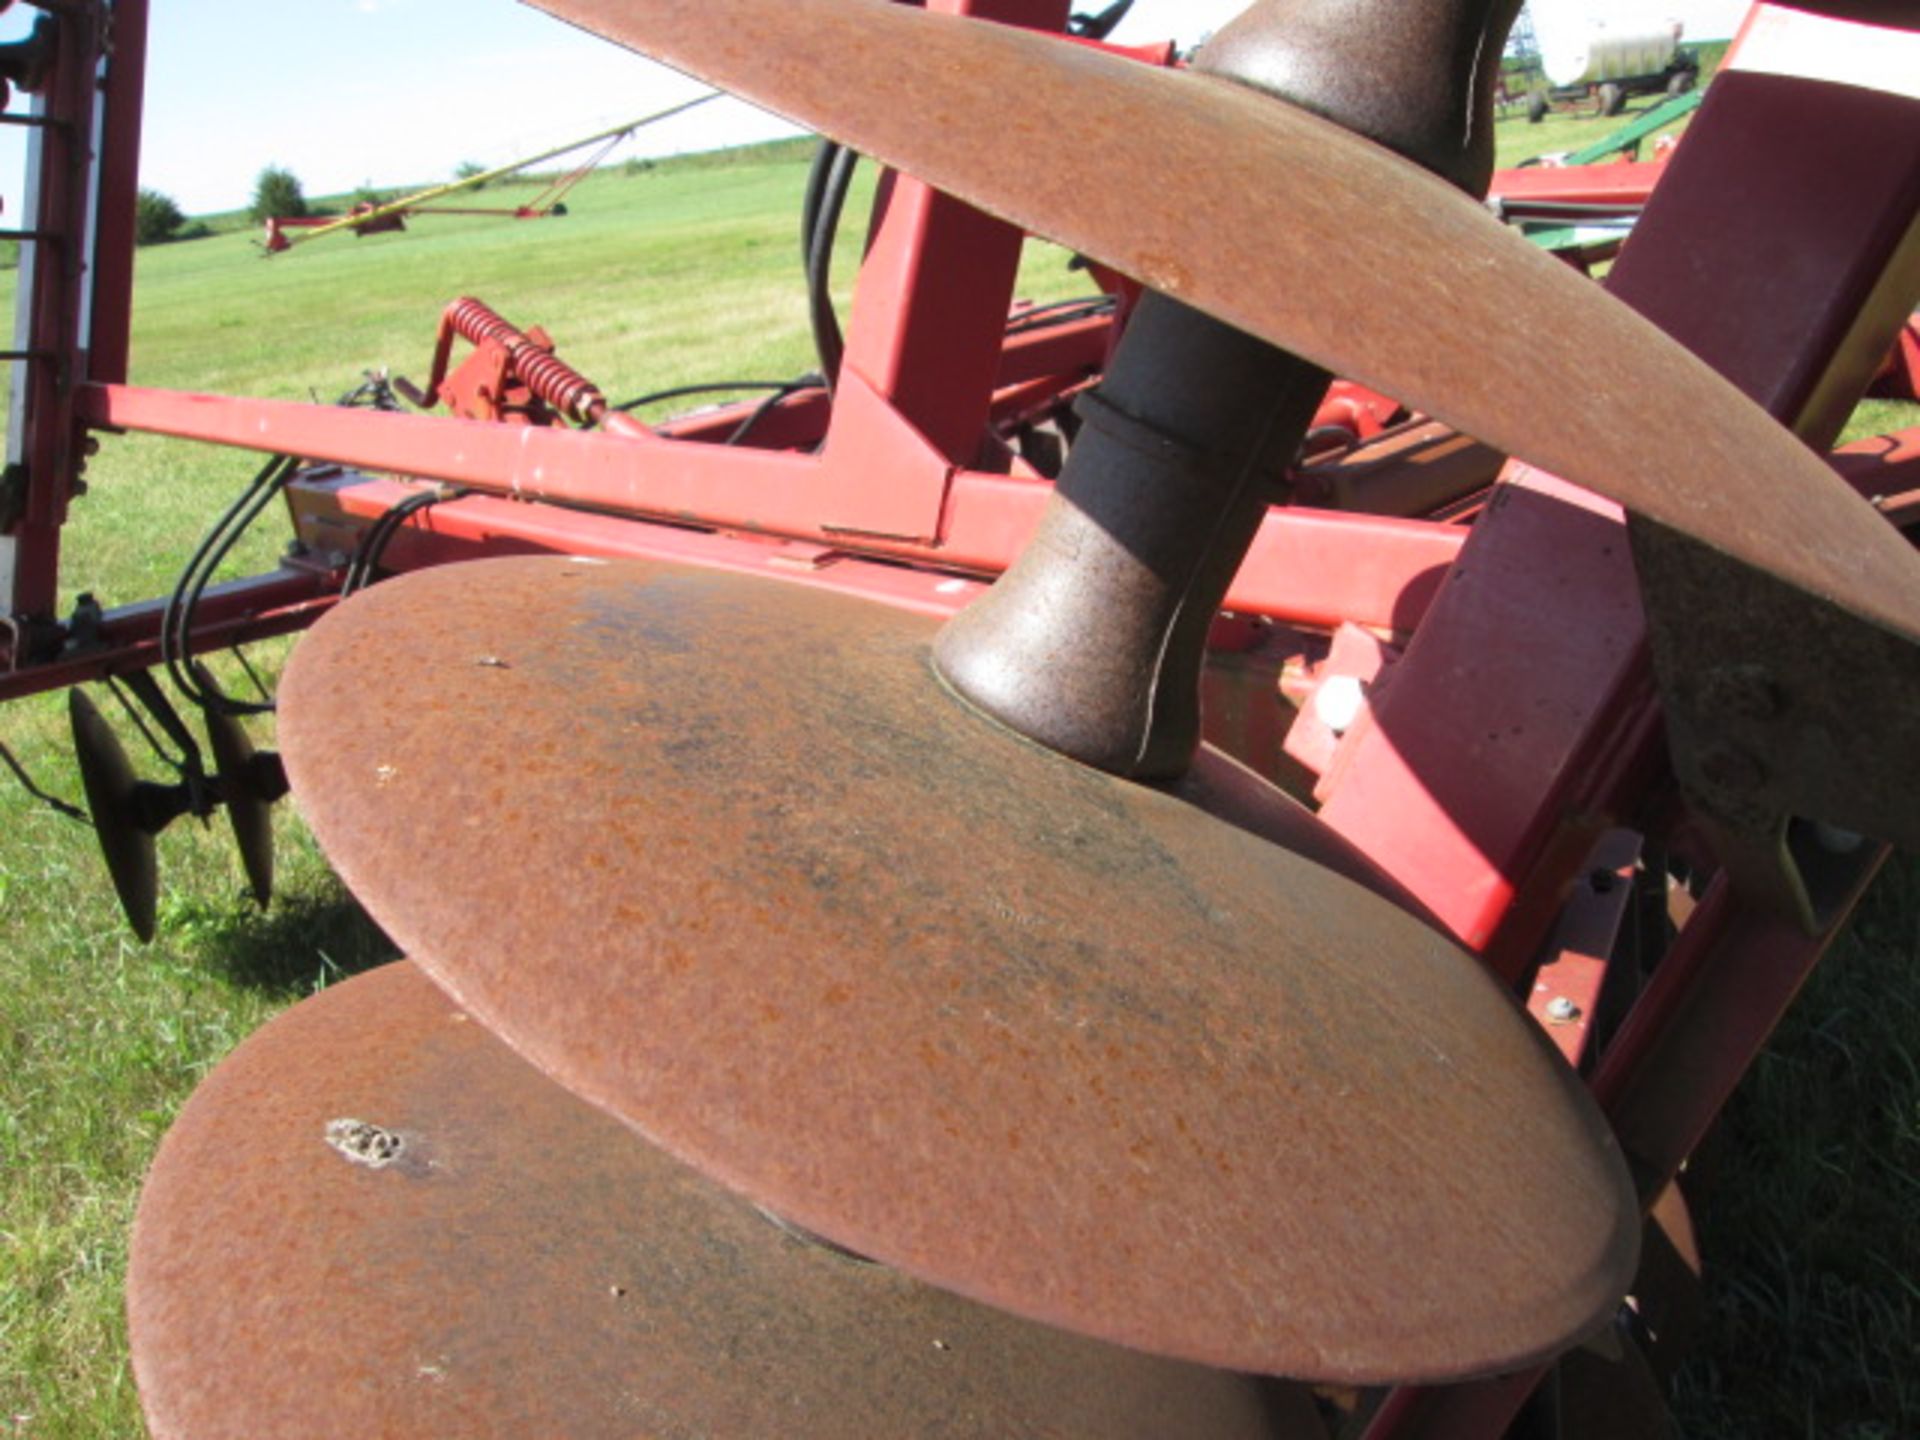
158, 218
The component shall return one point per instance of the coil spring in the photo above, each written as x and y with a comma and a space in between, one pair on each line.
544, 373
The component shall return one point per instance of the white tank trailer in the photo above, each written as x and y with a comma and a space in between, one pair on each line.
1593, 54
1582, 56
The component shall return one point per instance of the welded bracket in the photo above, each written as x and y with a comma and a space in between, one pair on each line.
1794, 725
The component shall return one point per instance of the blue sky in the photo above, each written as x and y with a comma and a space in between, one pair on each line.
398, 92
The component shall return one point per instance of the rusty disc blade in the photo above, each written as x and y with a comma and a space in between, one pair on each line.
248, 811
1290, 228
126, 840
724, 857
375, 1219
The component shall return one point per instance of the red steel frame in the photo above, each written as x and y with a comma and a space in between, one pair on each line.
76, 288
1488, 822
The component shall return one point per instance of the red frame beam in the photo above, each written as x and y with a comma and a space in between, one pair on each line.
58, 315
236, 613
1313, 567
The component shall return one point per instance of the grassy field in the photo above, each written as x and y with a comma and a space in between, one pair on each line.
681, 273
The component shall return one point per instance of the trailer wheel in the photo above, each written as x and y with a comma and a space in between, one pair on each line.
1536, 107
1613, 98
1680, 82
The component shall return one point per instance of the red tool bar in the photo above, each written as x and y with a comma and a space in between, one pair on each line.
1308, 567
1305, 560
235, 613
538, 462
1625, 185
483, 525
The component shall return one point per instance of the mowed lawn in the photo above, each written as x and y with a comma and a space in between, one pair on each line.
659, 277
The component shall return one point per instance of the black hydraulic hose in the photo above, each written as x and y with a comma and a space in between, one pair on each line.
837, 164
767, 406
810, 200
176, 618
716, 387
373, 545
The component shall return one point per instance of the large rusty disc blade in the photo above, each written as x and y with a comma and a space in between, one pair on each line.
724, 857
1288, 227
375, 1219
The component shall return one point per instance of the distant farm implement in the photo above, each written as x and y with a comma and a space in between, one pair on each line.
1571, 62
371, 217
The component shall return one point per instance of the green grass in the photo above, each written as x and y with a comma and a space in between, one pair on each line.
1564, 131
685, 272
1815, 1185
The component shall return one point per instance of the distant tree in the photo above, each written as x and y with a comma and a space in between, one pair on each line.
277, 192
467, 169
156, 218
